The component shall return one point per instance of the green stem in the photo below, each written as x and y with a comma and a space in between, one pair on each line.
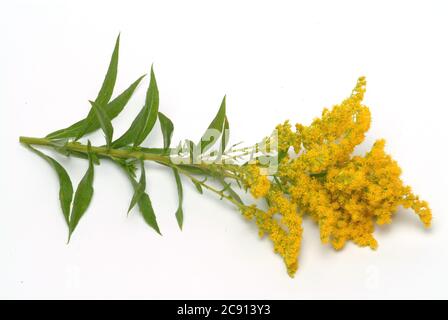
127, 154
102, 151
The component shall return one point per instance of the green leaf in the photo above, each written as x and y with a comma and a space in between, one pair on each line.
83, 196
179, 212
167, 130
197, 185
65, 184
104, 121
139, 188
107, 88
147, 211
229, 189
152, 109
234, 195
144, 203
112, 110
216, 124
127, 165
145, 120
128, 137
114, 107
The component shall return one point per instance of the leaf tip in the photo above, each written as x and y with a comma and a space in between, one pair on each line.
180, 224
156, 229
69, 237
153, 76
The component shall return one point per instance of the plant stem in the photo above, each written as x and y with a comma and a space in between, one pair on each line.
102, 151
208, 187
129, 154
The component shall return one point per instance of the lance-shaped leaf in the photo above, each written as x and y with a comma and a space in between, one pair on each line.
83, 196
179, 211
128, 137
145, 120
112, 110
104, 121
167, 128
152, 106
106, 90
197, 185
65, 184
139, 188
144, 203
231, 192
217, 124
147, 211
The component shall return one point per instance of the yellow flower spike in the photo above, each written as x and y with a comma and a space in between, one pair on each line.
257, 183
285, 233
346, 195
287, 138
331, 139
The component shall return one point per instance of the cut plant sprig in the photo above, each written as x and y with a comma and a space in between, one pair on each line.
314, 174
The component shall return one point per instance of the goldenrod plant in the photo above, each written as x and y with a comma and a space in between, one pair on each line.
292, 173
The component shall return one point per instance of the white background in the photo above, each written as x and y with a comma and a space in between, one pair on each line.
275, 60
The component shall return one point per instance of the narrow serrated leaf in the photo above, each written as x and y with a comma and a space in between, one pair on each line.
65, 184
235, 195
106, 90
152, 109
139, 188
147, 211
145, 120
112, 110
197, 185
216, 124
167, 128
144, 203
83, 196
230, 191
104, 121
179, 211
108, 85
128, 137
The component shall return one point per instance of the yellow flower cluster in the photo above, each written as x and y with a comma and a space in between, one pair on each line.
346, 195
253, 179
286, 138
282, 224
